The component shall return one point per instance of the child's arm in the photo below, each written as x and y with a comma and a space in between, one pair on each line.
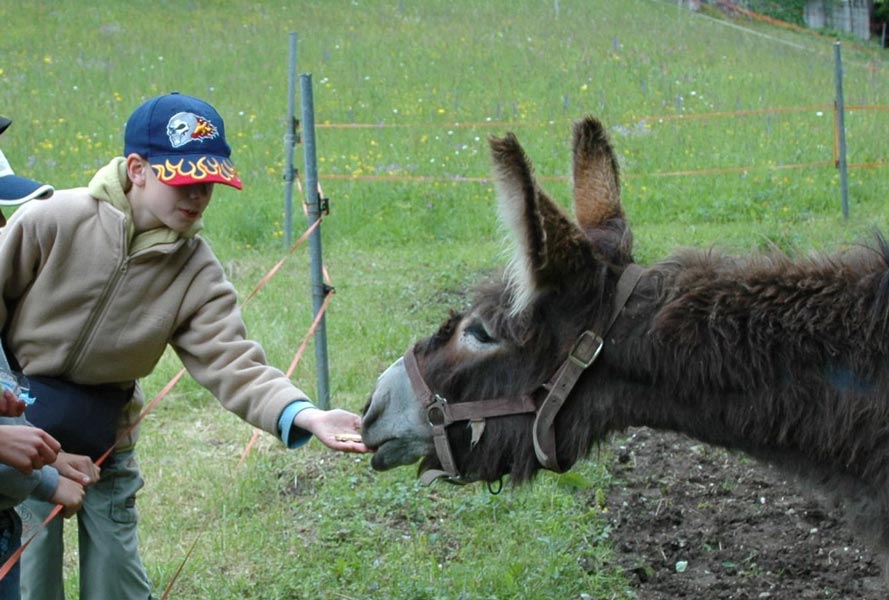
42, 484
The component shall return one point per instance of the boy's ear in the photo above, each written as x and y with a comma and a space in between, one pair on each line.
137, 169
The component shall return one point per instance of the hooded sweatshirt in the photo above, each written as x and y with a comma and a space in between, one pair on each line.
87, 300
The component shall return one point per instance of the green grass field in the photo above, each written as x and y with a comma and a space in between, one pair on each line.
406, 95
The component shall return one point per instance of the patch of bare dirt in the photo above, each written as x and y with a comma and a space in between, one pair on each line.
693, 521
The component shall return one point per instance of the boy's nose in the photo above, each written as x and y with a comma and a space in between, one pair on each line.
198, 190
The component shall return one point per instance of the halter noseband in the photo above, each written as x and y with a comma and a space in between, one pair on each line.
441, 413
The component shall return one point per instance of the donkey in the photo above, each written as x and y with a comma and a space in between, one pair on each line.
786, 360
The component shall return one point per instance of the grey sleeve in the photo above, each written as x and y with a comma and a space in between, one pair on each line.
15, 486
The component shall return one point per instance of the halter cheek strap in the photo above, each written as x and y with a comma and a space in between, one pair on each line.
436, 414
585, 351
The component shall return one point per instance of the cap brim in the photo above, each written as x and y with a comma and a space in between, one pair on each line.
189, 170
4, 123
15, 190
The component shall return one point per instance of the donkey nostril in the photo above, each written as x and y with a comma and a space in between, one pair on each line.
366, 406
371, 413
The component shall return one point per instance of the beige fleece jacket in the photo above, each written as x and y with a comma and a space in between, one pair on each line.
85, 300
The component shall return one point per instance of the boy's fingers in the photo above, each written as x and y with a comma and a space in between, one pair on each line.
52, 443
45, 456
47, 450
350, 442
10, 405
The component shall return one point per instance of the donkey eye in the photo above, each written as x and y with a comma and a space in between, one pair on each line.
478, 331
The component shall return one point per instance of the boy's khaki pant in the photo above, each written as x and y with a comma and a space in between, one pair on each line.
110, 566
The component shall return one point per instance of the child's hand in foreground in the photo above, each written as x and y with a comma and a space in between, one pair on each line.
11, 405
27, 448
78, 468
70, 495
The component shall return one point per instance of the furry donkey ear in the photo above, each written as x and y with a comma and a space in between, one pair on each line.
596, 175
548, 244
597, 191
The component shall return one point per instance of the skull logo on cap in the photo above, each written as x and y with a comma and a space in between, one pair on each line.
184, 127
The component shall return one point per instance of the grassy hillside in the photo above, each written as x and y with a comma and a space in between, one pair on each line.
406, 94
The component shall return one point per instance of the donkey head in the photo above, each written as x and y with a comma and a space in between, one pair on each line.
559, 283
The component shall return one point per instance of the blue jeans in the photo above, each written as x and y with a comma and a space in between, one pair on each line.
10, 541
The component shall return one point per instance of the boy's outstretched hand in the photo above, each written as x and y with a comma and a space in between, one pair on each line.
337, 429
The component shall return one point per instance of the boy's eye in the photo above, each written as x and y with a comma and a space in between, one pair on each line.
478, 331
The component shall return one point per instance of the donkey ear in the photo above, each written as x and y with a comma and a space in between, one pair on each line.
547, 241
597, 192
596, 176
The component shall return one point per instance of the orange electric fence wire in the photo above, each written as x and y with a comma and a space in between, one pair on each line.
552, 122
645, 119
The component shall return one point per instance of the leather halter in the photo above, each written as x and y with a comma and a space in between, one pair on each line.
441, 413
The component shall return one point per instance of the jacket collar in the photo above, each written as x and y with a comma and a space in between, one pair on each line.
111, 184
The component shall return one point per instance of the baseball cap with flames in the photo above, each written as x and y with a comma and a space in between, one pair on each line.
183, 138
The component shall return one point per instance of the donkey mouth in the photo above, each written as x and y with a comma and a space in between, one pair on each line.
396, 453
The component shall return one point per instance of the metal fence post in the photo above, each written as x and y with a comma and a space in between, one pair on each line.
841, 131
315, 210
290, 140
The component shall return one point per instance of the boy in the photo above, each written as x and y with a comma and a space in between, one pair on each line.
25, 451
96, 282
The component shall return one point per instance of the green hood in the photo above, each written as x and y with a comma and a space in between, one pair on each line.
111, 184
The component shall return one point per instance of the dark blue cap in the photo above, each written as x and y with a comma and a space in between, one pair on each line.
183, 138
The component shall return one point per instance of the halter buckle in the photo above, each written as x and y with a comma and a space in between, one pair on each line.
586, 349
437, 411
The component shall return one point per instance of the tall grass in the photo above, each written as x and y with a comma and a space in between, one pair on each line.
434, 79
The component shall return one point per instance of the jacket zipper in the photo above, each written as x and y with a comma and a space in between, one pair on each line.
89, 330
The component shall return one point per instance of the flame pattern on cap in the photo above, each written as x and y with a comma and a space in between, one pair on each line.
204, 170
